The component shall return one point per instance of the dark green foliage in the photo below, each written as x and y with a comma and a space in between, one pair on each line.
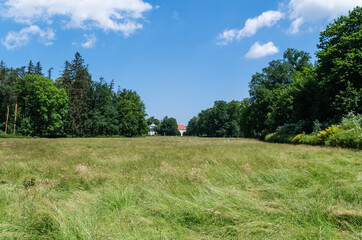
38, 70
168, 127
76, 80
298, 60
31, 68
8, 96
193, 127
218, 119
101, 110
339, 66
131, 113
223, 120
293, 128
272, 91
8, 79
74, 105
94, 107
153, 120
42, 106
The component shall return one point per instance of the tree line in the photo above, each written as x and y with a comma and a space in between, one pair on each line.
292, 94
72, 105
166, 127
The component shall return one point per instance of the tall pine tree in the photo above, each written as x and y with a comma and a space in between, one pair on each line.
31, 68
38, 69
75, 80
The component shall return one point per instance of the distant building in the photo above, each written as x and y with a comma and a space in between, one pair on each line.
182, 129
152, 129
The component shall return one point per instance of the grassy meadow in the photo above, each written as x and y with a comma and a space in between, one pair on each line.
177, 188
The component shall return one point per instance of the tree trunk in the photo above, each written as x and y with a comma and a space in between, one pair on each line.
7, 119
16, 111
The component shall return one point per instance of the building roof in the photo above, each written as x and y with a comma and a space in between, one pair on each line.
153, 125
181, 127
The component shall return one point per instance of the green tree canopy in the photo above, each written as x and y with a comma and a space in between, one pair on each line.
340, 65
101, 116
31, 68
193, 127
76, 81
131, 113
38, 70
169, 127
42, 106
267, 87
153, 120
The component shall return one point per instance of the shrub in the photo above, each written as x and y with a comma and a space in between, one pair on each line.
10, 135
346, 138
352, 121
3, 135
297, 138
309, 139
348, 134
269, 136
293, 128
279, 138
325, 134
319, 126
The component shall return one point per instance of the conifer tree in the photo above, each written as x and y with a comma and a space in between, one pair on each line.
31, 68
75, 80
38, 69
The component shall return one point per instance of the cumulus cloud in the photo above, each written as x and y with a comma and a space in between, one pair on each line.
116, 15
227, 36
90, 41
17, 39
294, 27
252, 25
266, 19
302, 11
259, 51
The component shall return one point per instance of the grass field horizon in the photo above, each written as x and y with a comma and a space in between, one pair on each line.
177, 188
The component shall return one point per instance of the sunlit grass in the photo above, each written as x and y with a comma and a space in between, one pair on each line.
177, 188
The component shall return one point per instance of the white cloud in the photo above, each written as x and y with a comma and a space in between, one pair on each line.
294, 27
227, 36
117, 15
303, 11
252, 25
91, 41
266, 19
21, 38
259, 51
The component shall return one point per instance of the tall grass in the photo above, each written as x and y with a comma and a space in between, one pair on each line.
177, 188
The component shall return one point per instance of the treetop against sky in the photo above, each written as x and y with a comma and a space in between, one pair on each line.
178, 55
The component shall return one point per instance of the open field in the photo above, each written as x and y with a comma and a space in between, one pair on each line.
173, 188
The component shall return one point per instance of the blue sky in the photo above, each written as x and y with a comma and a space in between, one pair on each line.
180, 56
